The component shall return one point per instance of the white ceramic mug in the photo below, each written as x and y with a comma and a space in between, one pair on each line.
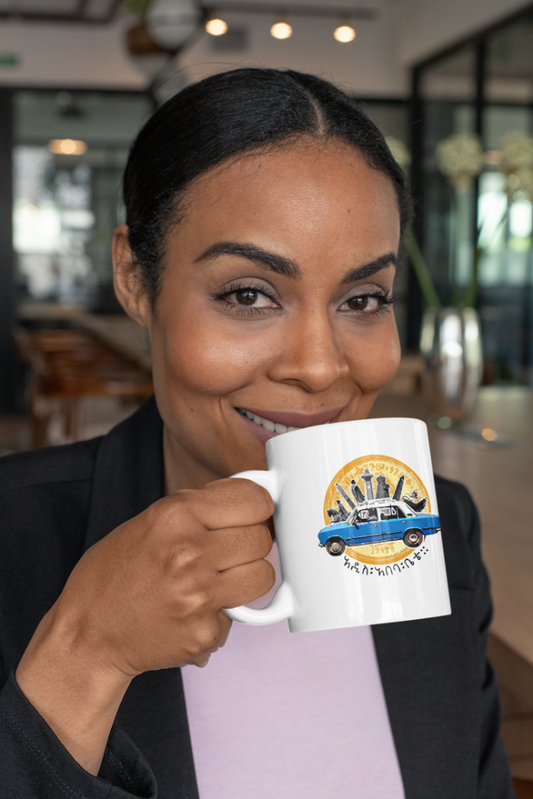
357, 526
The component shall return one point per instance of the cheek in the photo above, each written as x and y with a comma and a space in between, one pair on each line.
375, 360
194, 357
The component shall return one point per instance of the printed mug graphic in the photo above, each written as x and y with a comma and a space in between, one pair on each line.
377, 511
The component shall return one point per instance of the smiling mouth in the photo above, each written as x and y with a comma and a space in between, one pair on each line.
268, 424
272, 427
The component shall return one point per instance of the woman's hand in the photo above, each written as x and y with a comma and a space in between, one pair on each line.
147, 596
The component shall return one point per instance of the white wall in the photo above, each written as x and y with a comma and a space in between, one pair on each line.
67, 55
427, 26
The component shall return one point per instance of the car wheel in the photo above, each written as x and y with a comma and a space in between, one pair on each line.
413, 537
335, 546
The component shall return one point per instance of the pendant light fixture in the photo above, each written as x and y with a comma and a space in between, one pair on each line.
171, 23
344, 32
216, 26
281, 29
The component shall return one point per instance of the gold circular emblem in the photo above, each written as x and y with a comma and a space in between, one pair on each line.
363, 481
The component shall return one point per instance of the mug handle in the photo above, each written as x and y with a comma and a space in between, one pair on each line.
282, 605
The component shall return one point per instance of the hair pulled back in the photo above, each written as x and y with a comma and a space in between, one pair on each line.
222, 117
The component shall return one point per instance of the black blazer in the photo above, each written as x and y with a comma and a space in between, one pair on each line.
55, 503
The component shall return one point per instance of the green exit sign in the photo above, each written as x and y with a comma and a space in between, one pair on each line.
9, 60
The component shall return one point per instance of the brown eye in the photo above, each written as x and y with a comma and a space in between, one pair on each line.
358, 303
246, 296
364, 303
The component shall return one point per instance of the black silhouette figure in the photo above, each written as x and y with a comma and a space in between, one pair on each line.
345, 496
344, 513
399, 488
383, 488
412, 500
356, 492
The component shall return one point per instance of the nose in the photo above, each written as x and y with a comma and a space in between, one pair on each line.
311, 355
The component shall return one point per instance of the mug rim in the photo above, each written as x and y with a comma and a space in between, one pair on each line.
335, 425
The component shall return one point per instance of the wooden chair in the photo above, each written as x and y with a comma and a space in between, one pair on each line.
523, 788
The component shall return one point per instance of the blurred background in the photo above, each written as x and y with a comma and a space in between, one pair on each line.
449, 85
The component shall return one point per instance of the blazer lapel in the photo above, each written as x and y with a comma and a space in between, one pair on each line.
430, 679
431, 671
128, 477
129, 474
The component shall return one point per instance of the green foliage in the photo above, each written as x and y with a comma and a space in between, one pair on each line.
139, 7
421, 270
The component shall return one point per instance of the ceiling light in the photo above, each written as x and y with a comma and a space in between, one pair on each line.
67, 146
344, 33
281, 30
171, 23
216, 27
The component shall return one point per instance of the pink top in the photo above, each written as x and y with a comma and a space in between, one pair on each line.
291, 716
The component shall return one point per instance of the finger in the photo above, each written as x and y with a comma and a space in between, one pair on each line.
225, 626
243, 584
202, 658
236, 546
228, 503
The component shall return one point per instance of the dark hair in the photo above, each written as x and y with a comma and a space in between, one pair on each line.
222, 117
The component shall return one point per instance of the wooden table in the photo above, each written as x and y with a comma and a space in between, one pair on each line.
67, 365
118, 330
500, 480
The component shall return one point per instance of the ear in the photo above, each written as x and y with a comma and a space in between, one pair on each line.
127, 280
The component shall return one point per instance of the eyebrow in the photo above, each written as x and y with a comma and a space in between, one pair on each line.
286, 266
367, 270
269, 260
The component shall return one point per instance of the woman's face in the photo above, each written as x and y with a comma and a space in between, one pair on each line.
274, 310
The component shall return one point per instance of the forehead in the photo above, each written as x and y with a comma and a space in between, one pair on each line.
306, 196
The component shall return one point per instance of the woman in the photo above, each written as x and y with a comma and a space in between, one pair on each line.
264, 214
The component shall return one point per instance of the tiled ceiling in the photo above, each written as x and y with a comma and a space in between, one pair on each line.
56, 10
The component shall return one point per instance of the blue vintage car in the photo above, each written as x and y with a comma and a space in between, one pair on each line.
376, 521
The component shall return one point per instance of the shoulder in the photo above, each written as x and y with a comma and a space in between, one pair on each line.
456, 504
461, 532
453, 492
64, 464
45, 500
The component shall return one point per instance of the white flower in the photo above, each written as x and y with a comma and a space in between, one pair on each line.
399, 151
460, 158
517, 152
520, 184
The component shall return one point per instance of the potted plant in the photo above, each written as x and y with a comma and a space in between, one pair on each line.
139, 43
